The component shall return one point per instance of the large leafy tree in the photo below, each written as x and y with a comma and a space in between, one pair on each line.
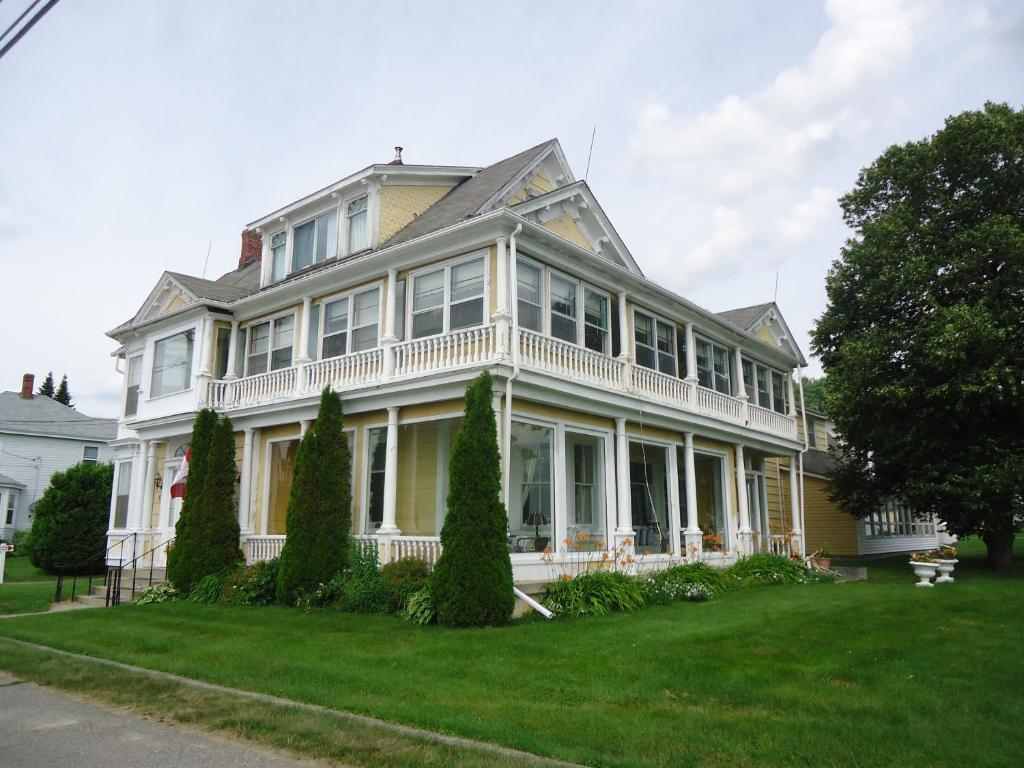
921, 339
183, 561
471, 585
814, 393
320, 507
69, 529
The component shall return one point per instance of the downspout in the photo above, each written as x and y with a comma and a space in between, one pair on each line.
803, 416
513, 300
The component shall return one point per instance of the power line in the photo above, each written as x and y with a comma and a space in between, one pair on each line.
28, 25
17, 21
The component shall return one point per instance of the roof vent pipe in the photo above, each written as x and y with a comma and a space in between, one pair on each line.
398, 157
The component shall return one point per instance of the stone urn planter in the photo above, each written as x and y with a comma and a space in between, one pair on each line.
945, 569
925, 572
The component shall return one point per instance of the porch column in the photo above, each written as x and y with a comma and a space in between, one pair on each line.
796, 544
624, 531
303, 330
388, 338
741, 389
145, 514
691, 356
502, 317
625, 345
388, 526
792, 398
693, 537
499, 424
232, 372
139, 473
303, 427
743, 545
245, 487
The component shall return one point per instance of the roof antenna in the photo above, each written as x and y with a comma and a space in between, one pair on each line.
207, 262
775, 298
591, 152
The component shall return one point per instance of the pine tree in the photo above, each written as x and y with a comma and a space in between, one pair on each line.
63, 395
472, 582
219, 549
47, 389
182, 564
319, 509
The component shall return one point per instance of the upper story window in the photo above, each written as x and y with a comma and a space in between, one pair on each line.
778, 392
358, 227
655, 343
562, 302
765, 386
812, 436
713, 367
563, 309
278, 256
90, 454
172, 364
133, 378
350, 323
270, 345
448, 298
315, 241
529, 290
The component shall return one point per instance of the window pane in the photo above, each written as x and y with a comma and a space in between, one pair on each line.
584, 483
778, 392
124, 484
400, 310
302, 253
334, 346
364, 338
367, 307
467, 314
595, 339
336, 316
467, 280
358, 232
529, 283
643, 329
280, 358
648, 486
327, 236
278, 254
666, 348
530, 518
314, 327
563, 328
645, 356
596, 308
530, 317
563, 297
259, 338
375, 480
284, 328
704, 374
748, 381
764, 397
428, 291
172, 364
223, 346
257, 364
427, 323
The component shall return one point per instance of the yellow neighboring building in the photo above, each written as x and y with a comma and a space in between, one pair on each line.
629, 417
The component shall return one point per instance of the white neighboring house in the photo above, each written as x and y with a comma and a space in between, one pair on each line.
39, 437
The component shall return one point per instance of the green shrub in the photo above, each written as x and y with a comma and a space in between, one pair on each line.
319, 509
769, 569
158, 593
405, 577
594, 593
329, 595
208, 589
220, 551
418, 608
693, 581
251, 584
183, 559
365, 589
471, 585
70, 520
21, 540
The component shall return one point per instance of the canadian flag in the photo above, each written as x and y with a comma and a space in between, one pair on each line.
178, 484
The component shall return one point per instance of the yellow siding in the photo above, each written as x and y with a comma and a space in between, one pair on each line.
539, 184
730, 470
825, 523
176, 303
652, 433
554, 413
778, 513
428, 410
400, 204
766, 335
564, 226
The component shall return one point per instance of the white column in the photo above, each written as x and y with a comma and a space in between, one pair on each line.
741, 389
502, 317
303, 427
245, 487
745, 532
499, 423
625, 512
389, 339
625, 341
303, 330
388, 526
232, 351
149, 488
138, 489
691, 355
207, 328
792, 398
794, 501
693, 537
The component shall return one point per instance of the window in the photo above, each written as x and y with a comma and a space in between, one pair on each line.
531, 517
278, 256
172, 364
708, 474
12, 503
378, 440
133, 378
585, 488
778, 392
315, 241
648, 494
358, 231
563, 309
90, 454
765, 386
449, 298
270, 345
596, 320
124, 487
530, 298
358, 315
748, 381
764, 392
223, 346
282, 473
812, 437
655, 343
713, 367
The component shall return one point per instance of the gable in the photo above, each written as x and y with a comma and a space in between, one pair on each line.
565, 226
545, 172
168, 295
771, 328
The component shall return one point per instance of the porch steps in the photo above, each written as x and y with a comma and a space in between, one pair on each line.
97, 597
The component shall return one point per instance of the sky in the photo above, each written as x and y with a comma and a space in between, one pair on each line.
137, 137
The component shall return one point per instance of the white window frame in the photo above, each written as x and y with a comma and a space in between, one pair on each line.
290, 252
753, 386
270, 348
729, 354
368, 528
138, 360
191, 364
350, 295
10, 506
348, 223
656, 318
88, 460
582, 286
542, 290
270, 255
446, 306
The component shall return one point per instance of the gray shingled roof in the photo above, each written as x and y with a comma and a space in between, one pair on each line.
222, 289
45, 416
818, 462
10, 481
745, 317
466, 199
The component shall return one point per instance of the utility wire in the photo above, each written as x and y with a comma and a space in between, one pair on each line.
28, 25
17, 21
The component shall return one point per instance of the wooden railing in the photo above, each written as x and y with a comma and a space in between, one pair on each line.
765, 420
569, 360
425, 548
261, 548
451, 350
719, 405
345, 371
661, 386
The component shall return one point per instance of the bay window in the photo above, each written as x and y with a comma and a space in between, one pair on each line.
172, 364
556, 310
531, 502
713, 370
358, 228
654, 342
351, 323
315, 241
448, 298
270, 345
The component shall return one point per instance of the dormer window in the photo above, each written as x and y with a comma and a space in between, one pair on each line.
358, 231
279, 256
315, 241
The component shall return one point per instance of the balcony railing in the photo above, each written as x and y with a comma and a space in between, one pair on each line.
425, 548
485, 345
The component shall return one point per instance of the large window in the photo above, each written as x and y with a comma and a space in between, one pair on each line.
713, 370
778, 392
655, 343
584, 485
358, 228
531, 502
270, 345
315, 241
133, 378
124, 487
596, 320
448, 298
172, 364
377, 455
709, 471
563, 309
648, 495
351, 323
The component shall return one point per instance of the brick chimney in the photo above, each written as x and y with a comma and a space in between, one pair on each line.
28, 383
252, 247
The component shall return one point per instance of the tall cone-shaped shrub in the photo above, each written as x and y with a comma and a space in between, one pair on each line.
472, 582
320, 507
181, 560
218, 513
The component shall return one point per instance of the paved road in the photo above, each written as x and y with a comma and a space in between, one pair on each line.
41, 728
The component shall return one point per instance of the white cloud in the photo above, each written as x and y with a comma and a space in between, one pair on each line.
803, 218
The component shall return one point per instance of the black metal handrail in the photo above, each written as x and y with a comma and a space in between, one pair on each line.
115, 574
61, 570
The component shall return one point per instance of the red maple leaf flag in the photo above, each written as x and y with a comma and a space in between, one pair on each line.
178, 484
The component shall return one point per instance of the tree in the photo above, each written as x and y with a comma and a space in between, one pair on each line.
69, 528
63, 395
921, 339
47, 389
219, 551
182, 562
320, 506
814, 393
471, 585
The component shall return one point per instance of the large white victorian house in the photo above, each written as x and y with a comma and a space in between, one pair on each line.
628, 416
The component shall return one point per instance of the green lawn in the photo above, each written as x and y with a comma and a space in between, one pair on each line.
21, 569
863, 674
26, 589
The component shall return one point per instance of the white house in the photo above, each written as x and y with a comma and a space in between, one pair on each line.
38, 437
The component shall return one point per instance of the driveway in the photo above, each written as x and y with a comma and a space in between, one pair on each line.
41, 728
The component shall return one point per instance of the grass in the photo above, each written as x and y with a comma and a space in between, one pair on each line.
30, 597
875, 673
20, 568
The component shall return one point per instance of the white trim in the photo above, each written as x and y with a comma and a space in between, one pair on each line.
446, 306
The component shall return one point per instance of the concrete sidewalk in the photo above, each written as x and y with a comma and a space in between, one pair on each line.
42, 728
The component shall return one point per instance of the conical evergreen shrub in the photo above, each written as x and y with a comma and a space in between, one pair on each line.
218, 511
471, 585
182, 564
320, 507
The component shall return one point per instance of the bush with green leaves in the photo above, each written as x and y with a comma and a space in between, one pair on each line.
319, 510
471, 585
158, 593
594, 593
365, 588
404, 577
69, 529
208, 589
418, 608
769, 569
254, 584
693, 581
